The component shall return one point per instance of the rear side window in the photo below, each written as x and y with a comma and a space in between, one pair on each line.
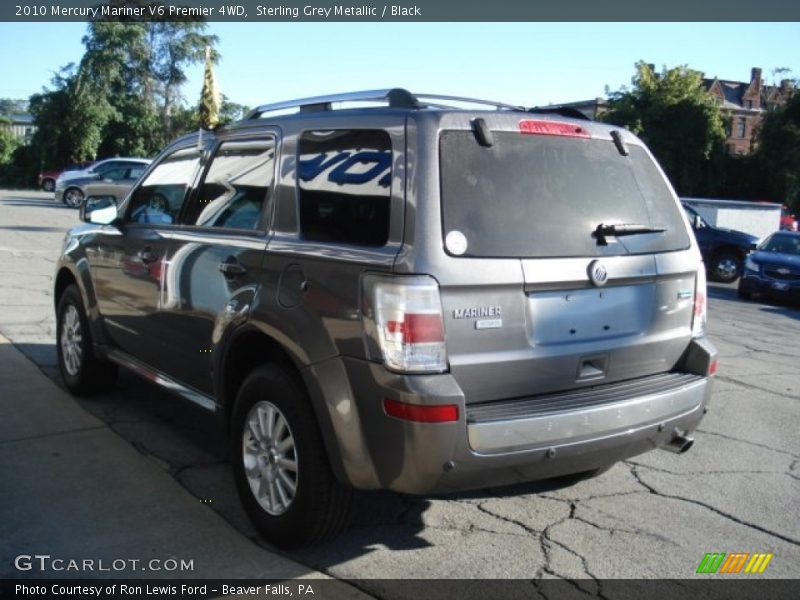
159, 198
344, 186
544, 196
236, 186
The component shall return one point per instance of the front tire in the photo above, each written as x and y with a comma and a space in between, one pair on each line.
73, 197
726, 267
280, 465
83, 373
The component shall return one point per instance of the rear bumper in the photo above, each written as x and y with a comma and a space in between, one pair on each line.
499, 443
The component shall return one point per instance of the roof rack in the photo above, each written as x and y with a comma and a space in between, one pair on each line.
395, 98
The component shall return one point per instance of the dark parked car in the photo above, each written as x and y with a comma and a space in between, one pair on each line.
773, 269
412, 296
723, 249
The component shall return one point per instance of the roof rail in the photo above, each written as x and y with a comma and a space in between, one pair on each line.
497, 105
395, 98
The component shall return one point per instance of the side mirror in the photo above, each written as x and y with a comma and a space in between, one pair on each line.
753, 247
101, 210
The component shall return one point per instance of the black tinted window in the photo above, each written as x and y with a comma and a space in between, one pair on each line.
236, 186
344, 185
543, 196
159, 198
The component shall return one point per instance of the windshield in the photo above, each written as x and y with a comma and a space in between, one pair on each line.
544, 196
783, 244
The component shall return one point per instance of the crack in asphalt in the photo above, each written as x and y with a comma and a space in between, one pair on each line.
751, 443
614, 530
712, 472
545, 542
51, 434
653, 490
755, 387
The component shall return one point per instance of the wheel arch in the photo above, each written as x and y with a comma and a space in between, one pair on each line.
69, 274
728, 248
250, 347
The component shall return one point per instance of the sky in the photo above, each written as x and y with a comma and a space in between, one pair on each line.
518, 63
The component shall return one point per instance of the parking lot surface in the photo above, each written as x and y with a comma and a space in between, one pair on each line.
655, 516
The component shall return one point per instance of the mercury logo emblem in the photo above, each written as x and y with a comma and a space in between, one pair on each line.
597, 273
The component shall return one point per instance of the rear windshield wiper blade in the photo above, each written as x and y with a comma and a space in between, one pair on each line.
620, 230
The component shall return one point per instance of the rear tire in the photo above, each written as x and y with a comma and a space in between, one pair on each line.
49, 185
282, 472
82, 371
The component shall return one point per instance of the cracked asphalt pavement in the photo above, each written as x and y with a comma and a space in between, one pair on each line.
655, 516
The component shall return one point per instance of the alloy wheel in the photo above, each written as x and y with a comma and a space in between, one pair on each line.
73, 197
71, 340
270, 458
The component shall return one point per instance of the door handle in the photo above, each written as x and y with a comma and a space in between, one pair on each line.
147, 256
231, 267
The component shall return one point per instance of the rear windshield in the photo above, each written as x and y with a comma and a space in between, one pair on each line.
544, 196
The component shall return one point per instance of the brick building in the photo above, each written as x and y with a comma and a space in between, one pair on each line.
744, 103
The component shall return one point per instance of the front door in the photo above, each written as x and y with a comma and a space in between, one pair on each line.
129, 268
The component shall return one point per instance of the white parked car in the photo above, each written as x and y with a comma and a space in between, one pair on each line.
98, 167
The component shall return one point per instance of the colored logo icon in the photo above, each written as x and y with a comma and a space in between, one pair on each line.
735, 562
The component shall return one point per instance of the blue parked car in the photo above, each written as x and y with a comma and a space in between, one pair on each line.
773, 269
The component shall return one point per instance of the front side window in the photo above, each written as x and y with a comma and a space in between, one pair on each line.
344, 186
115, 174
159, 198
236, 187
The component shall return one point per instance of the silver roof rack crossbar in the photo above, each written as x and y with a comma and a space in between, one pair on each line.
497, 105
395, 98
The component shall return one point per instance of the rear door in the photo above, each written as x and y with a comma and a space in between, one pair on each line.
215, 258
556, 304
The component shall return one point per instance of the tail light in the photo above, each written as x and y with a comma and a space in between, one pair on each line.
541, 127
403, 322
700, 304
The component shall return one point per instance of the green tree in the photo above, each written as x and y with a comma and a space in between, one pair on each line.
120, 99
175, 46
679, 121
8, 142
778, 152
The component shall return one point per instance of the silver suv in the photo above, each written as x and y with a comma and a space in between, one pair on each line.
410, 295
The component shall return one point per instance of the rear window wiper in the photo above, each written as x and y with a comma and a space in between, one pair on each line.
602, 231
